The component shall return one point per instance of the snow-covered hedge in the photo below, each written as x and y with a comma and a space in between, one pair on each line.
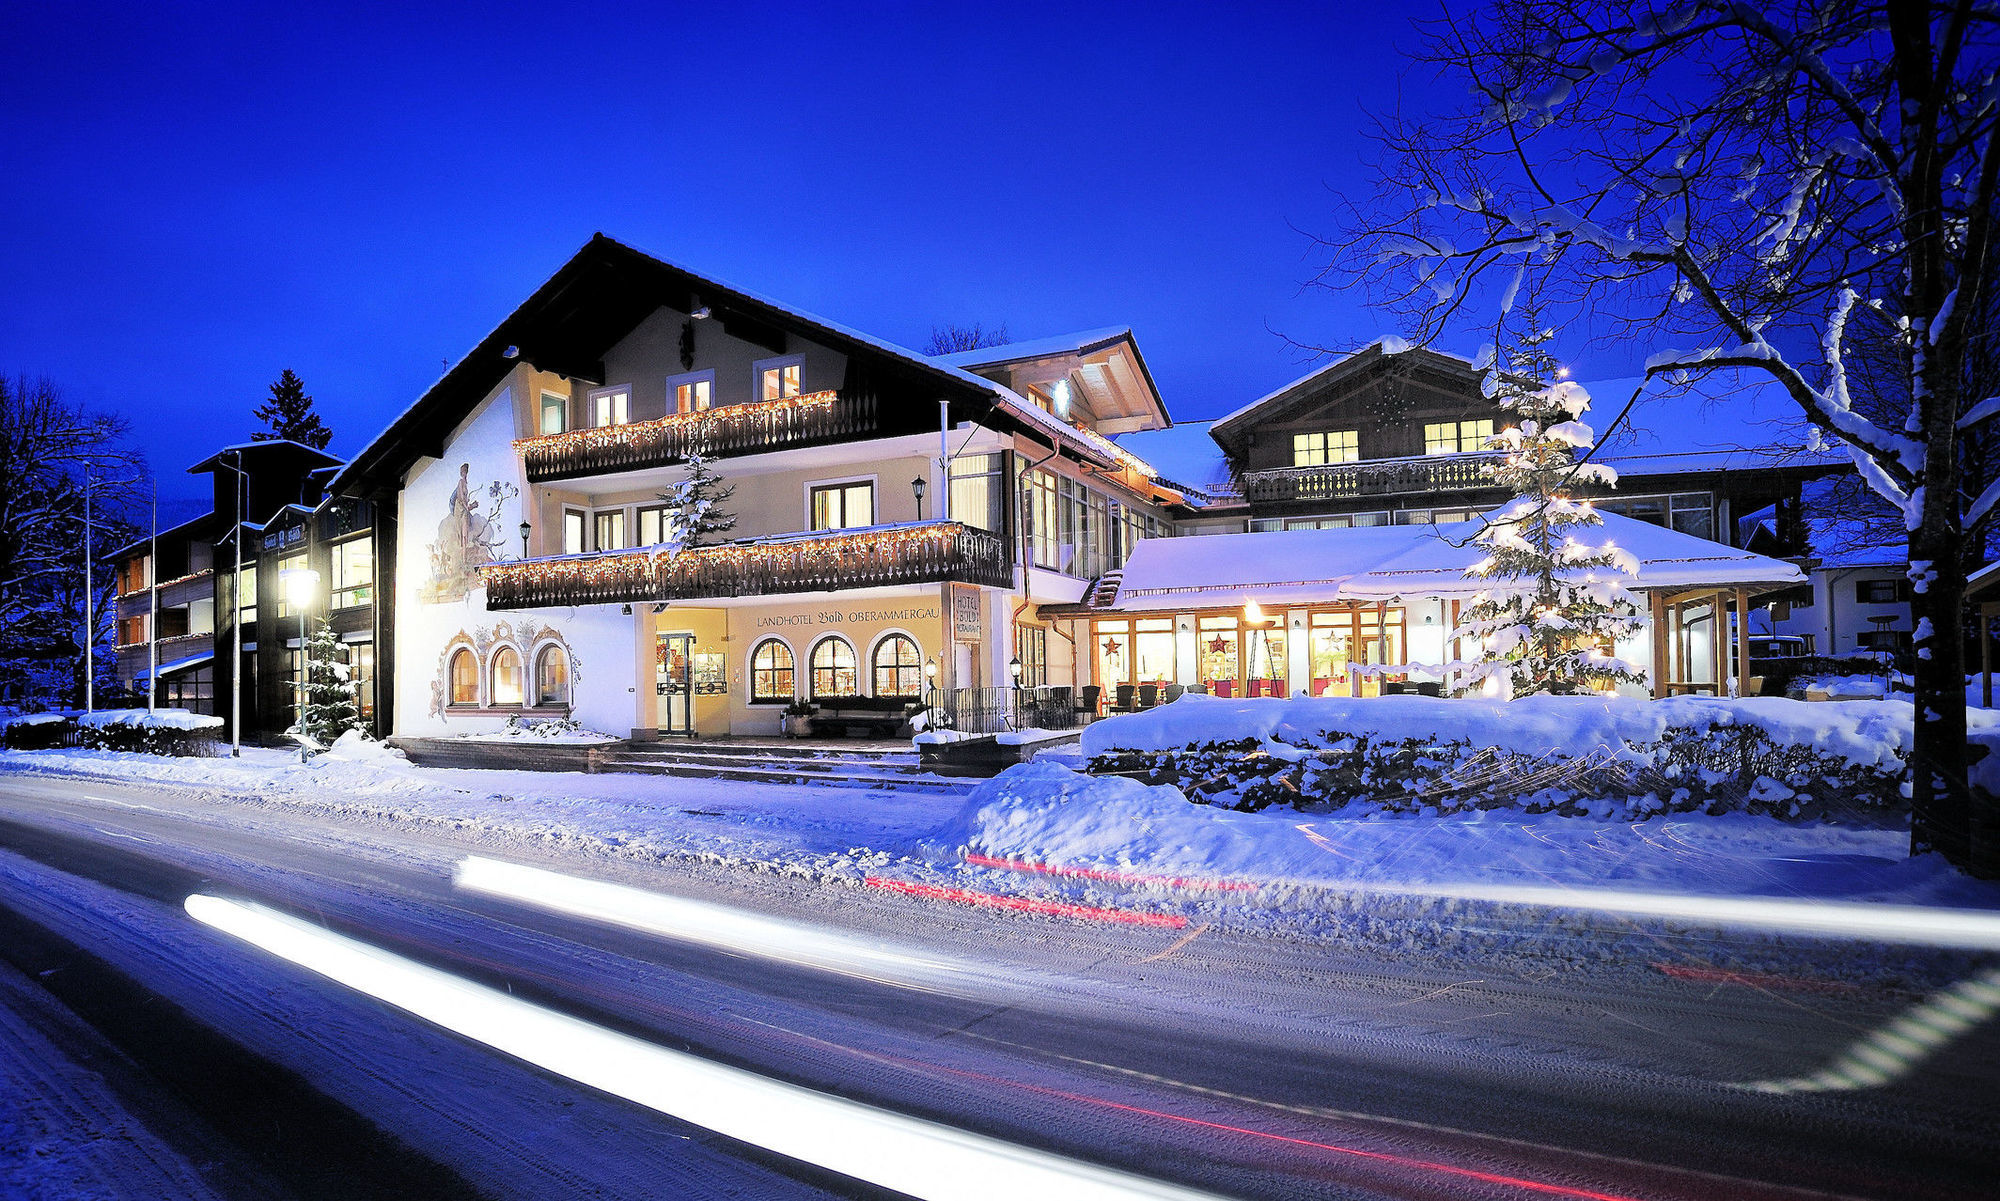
36, 731
161, 732
1760, 754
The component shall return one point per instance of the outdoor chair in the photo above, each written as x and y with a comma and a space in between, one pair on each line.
1225, 688
1124, 703
1201, 689
1175, 692
1149, 695
1086, 704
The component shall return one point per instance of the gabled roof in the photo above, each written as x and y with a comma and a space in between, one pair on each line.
1116, 389
1037, 348
597, 298
264, 446
1230, 429
186, 527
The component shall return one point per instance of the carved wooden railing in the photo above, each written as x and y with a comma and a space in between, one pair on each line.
730, 430
1378, 477
877, 557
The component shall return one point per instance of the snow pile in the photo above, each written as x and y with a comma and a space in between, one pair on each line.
158, 719
553, 730
1543, 752
356, 747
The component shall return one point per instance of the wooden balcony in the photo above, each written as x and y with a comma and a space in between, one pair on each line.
808, 420
1370, 477
880, 556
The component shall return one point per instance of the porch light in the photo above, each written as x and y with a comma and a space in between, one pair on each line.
526, 529
1253, 614
1014, 669
300, 584
930, 669
917, 489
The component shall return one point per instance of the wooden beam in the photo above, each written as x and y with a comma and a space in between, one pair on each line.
1717, 658
1659, 606
1742, 640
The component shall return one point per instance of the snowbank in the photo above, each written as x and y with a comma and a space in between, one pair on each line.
158, 719
1864, 733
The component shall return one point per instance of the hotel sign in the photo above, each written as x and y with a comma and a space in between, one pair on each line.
965, 623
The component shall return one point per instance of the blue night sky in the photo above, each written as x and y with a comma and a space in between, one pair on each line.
201, 196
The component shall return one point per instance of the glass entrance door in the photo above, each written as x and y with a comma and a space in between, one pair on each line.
673, 682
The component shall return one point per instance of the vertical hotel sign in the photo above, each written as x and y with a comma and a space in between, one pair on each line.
965, 623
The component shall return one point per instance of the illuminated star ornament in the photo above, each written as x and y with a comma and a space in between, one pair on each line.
1112, 646
1219, 644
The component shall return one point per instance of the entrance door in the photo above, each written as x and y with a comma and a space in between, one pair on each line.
673, 681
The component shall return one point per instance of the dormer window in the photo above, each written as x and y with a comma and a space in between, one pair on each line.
779, 378
1330, 446
611, 406
1456, 437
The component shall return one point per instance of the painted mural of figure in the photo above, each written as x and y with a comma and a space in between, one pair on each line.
465, 542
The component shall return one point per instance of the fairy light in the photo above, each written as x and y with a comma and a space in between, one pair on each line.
690, 428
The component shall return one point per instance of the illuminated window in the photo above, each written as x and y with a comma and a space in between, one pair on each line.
575, 526
361, 672
779, 378
286, 608
1456, 437
611, 406
692, 393
833, 673
353, 563
464, 677
771, 673
898, 668
552, 677
843, 506
611, 530
1319, 449
655, 526
555, 413
507, 689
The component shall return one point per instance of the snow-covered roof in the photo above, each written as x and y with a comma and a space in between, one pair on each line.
208, 464
180, 665
1377, 562
1035, 348
1184, 454
1387, 344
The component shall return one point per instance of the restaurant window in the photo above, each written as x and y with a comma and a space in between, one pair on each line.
843, 506
976, 490
361, 672
1031, 647
353, 563
1153, 649
555, 413
552, 677
898, 668
611, 529
693, 392
464, 677
611, 406
1323, 447
771, 673
1114, 653
779, 378
507, 684
1218, 653
1456, 437
833, 673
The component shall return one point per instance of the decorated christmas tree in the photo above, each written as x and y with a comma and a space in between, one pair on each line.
328, 710
694, 506
1555, 605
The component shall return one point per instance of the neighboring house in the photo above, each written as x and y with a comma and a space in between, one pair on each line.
175, 614
1859, 601
898, 517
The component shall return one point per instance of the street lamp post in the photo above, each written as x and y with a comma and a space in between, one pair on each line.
1014, 670
89, 604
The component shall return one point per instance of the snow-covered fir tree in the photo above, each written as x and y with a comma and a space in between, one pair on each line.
694, 506
328, 708
289, 414
1555, 604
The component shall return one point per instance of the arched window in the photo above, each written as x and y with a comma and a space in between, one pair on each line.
898, 667
552, 677
833, 668
507, 689
771, 673
464, 677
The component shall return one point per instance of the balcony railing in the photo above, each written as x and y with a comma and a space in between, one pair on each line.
1372, 477
880, 556
730, 430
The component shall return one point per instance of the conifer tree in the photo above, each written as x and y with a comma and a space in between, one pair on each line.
1556, 604
327, 710
289, 414
695, 514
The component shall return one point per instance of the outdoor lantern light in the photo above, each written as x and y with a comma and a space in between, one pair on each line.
526, 529
917, 487
300, 584
1014, 669
930, 668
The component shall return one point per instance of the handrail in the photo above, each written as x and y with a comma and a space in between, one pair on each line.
729, 430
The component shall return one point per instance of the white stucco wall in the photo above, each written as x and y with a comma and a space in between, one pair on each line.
601, 641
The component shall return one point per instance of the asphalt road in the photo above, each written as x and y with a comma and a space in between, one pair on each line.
1240, 1064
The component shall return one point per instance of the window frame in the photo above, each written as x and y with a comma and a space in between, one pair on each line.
620, 415
761, 367
790, 670
892, 638
815, 487
616, 515
335, 589
659, 514
451, 678
813, 668
1345, 442
688, 379
494, 662
556, 401
541, 699
583, 530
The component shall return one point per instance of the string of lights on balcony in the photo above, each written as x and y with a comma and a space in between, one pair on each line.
639, 435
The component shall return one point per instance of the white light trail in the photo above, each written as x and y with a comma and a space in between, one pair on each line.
1895, 1050
731, 930
894, 1151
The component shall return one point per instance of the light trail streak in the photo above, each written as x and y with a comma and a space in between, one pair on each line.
1895, 1050
990, 900
892, 1150
1098, 873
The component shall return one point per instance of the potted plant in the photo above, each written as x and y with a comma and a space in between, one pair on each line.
794, 723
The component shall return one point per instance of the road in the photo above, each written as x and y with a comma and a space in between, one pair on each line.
1233, 1063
